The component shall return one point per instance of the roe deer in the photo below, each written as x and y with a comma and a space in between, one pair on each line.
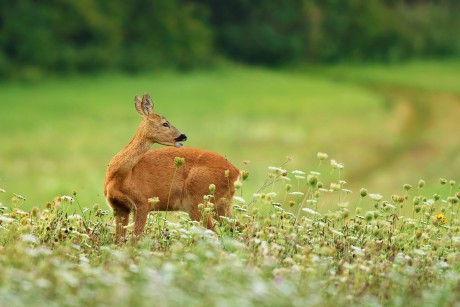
137, 173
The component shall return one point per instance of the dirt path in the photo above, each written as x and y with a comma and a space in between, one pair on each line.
425, 143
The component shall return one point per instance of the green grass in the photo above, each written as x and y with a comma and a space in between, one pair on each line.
58, 135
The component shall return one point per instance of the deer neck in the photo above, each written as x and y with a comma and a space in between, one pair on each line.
124, 161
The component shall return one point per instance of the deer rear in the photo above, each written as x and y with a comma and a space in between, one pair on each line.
137, 173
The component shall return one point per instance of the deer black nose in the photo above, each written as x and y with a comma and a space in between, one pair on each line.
181, 137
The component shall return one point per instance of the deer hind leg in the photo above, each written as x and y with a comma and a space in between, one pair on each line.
190, 205
121, 222
140, 218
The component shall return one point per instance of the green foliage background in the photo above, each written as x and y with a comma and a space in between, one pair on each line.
39, 37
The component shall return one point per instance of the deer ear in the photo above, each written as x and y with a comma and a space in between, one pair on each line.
144, 106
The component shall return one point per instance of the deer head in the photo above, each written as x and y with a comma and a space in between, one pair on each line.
156, 128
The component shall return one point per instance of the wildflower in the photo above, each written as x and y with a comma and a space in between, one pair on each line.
375, 197
278, 170
439, 219
322, 156
299, 177
297, 193
227, 173
363, 192
179, 161
297, 172
442, 181
308, 210
2, 190
239, 199
66, 198
398, 198
335, 186
336, 165
452, 183
436, 197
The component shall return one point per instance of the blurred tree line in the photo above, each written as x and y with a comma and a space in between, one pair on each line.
39, 36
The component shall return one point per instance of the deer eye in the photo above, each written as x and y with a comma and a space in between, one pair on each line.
165, 125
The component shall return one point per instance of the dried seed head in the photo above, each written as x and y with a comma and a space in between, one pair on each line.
452, 200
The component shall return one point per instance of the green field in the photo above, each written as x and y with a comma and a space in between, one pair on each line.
58, 135
389, 125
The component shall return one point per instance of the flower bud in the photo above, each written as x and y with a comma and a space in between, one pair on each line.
312, 180
363, 192
179, 161
407, 187
322, 156
212, 188
421, 183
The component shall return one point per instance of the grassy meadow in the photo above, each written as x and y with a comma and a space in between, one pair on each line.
382, 230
